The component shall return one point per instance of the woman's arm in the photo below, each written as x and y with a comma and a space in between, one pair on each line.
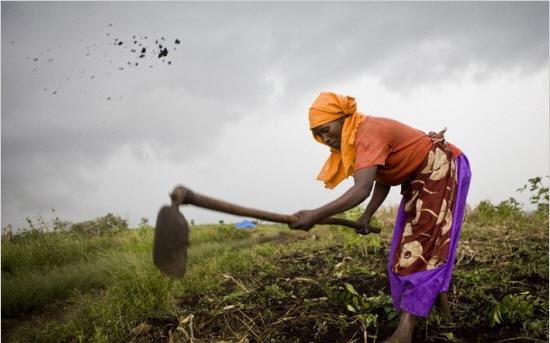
364, 179
378, 196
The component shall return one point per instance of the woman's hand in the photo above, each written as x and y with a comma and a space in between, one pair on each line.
365, 221
306, 220
367, 228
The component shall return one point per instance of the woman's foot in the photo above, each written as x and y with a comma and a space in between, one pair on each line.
404, 331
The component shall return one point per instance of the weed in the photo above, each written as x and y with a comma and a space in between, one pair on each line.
363, 245
539, 193
367, 309
514, 309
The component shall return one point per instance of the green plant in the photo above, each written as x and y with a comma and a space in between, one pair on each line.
58, 224
102, 225
218, 233
367, 308
513, 309
40, 225
352, 214
508, 212
539, 193
449, 337
144, 223
273, 293
363, 244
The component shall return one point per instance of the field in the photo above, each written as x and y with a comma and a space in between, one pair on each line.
95, 282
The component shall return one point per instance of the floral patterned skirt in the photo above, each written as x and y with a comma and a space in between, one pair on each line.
429, 198
417, 271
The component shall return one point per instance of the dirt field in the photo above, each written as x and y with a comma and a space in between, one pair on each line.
271, 284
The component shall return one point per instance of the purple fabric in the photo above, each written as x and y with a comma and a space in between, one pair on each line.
417, 292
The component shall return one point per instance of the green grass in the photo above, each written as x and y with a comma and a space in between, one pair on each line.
133, 288
269, 284
38, 269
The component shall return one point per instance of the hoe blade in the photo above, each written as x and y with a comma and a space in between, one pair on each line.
170, 242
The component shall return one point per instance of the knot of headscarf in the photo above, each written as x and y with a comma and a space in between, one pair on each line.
329, 107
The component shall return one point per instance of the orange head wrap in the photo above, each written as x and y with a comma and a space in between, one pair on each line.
329, 107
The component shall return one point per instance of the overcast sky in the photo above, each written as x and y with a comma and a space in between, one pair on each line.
85, 133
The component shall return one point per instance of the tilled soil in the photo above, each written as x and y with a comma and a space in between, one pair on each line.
305, 300
299, 304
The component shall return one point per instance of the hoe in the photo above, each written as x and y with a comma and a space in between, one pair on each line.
172, 231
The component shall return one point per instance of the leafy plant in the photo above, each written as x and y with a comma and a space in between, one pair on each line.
366, 308
508, 212
539, 192
513, 309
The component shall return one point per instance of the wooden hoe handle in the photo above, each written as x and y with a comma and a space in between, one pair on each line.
182, 195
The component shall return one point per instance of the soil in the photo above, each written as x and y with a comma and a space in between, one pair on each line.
303, 302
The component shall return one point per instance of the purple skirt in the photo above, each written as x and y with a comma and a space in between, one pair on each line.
416, 293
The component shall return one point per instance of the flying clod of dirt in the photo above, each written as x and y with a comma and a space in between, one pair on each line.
163, 52
140, 47
145, 48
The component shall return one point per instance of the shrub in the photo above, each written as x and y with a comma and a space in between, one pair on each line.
507, 212
102, 225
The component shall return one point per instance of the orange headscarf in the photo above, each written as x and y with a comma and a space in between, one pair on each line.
326, 108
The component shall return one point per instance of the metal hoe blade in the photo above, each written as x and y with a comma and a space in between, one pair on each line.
171, 241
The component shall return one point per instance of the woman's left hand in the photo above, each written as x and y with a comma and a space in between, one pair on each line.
306, 220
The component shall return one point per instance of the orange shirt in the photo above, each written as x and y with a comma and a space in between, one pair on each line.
397, 149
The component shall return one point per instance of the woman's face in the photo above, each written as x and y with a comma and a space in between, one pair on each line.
330, 133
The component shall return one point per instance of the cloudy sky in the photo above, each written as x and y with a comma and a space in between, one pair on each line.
86, 131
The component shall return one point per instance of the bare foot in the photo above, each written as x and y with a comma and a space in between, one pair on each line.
404, 331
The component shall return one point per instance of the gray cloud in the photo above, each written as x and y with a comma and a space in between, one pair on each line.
234, 57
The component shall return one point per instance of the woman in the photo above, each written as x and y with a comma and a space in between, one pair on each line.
434, 177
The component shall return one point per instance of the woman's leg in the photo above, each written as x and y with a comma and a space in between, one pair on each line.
443, 306
405, 329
